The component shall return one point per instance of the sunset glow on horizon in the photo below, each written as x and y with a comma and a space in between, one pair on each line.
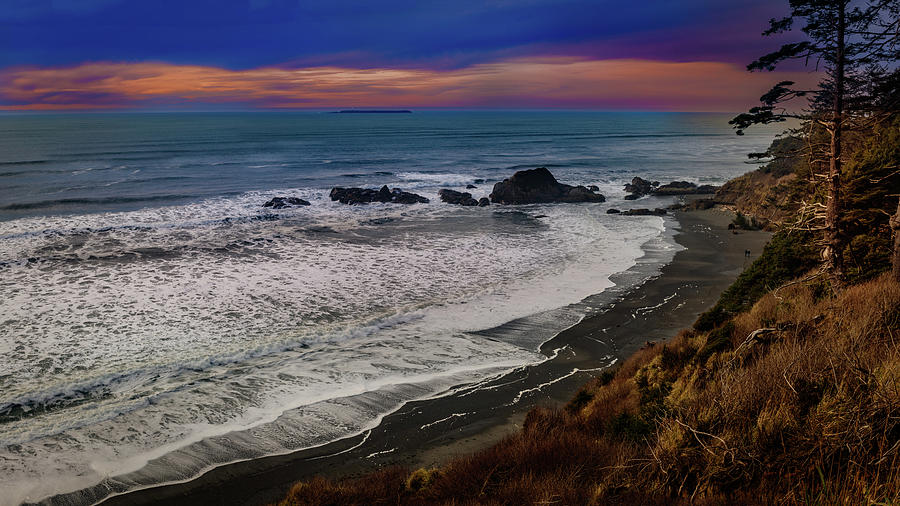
548, 82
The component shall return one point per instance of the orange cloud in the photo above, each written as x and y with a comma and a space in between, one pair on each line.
521, 82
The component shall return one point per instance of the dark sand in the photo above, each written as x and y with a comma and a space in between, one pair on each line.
429, 432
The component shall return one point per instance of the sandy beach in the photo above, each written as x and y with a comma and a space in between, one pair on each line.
429, 432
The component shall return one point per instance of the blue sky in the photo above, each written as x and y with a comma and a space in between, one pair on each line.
252, 33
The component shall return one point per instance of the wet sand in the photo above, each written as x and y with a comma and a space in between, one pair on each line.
430, 432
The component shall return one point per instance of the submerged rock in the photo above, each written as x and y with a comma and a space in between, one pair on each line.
593, 188
613, 211
283, 202
384, 195
538, 186
457, 198
483, 201
470, 187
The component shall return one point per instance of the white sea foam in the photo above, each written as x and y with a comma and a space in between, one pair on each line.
137, 343
436, 178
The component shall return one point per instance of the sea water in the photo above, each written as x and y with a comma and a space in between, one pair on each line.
156, 320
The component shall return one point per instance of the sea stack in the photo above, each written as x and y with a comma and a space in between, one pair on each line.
538, 186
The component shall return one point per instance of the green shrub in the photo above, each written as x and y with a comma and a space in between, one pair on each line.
579, 401
629, 426
420, 479
718, 339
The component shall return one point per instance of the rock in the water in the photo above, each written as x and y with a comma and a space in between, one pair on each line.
457, 198
538, 186
676, 188
638, 188
484, 201
366, 196
470, 187
644, 212
401, 197
593, 188
478, 181
684, 188
283, 202
613, 211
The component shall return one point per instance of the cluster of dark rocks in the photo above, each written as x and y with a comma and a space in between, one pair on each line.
538, 186
685, 188
283, 202
367, 196
640, 187
462, 198
534, 186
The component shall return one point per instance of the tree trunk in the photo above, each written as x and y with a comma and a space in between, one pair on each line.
834, 247
895, 259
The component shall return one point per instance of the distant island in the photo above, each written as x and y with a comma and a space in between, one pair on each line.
373, 111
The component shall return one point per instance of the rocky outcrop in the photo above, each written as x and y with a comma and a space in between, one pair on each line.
644, 212
283, 202
484, 201
694, 205
538, 186
772, 198
638, 187
684, 188
366, 196
457, 198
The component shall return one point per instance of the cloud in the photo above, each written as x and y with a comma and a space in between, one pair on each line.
561, 82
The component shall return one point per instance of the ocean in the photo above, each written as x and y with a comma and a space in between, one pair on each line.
156, 321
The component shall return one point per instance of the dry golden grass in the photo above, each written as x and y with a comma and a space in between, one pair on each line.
796, 401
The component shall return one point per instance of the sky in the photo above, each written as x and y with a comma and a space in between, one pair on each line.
663, 55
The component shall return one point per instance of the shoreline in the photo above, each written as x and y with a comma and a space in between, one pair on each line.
430, 432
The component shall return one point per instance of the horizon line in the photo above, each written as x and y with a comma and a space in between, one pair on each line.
286, 110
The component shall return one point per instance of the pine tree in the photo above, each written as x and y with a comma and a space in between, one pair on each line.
855, 44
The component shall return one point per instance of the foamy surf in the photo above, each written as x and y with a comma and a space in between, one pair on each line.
220, 331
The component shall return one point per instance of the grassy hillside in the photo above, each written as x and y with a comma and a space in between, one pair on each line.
796, 401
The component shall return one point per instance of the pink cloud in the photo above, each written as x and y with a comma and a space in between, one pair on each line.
517, 82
